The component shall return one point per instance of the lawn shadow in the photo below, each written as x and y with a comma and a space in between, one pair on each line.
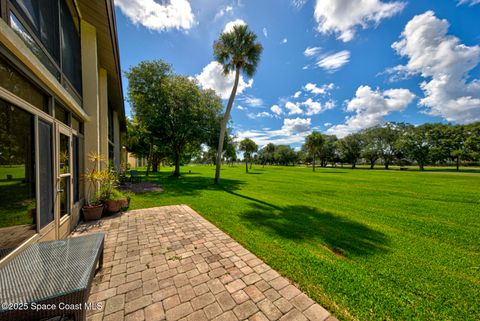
189, 184
342, 236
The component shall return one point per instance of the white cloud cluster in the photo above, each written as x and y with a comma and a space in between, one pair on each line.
212, 77
252, 101
262, 114
312, 51
333, 62
298, 3
293, 131
265, 32
311, 107
174, 14
293, 108
343, 16
229, 26
468, 2
314, 89
276, 110
330, 62
223, 11
370, 108
445, 63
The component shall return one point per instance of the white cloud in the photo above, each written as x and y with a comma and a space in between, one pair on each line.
333, 62
343, 17
252, 101
229, 26
293, 108
276, 110
223, 11
262, 114
293, 131
312, 51
445, 63
327, 124
370, 108
296, 125
174, 14
311, 87
468, 2
212, 77
298, 3
297, 94
241, 108
265, 32
285, 40
316, 107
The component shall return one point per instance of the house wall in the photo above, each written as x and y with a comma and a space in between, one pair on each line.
93, 112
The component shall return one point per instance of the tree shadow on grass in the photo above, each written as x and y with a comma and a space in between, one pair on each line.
190, 184
304, 224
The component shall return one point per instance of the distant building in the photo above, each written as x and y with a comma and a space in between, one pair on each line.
60, 99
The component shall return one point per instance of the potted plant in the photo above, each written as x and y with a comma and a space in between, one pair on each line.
93, 207
114, 200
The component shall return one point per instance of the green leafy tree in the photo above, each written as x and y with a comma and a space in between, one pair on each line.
285, 155
248, 147
314, 143
238, 51
415, 143
173, 108
327, 152
372, 148
350, 148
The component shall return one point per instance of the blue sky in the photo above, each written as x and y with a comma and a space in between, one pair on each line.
328, 65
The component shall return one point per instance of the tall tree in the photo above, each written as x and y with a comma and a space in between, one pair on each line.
372, 148
248, 147
173, 108
350, 148
327, 152
238, 51
314, 143
415, 143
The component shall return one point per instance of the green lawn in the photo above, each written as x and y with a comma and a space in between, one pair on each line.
367, 245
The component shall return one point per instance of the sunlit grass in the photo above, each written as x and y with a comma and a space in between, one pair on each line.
367, 245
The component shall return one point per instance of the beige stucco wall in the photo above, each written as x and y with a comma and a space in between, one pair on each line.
94, 113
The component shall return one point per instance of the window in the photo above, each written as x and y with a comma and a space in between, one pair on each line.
51, 29
18, 208
65, 174
42, 18
70, 44
77, 148
45, 166
62, 114
17, 84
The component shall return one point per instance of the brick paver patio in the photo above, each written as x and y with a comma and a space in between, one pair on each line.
169, 263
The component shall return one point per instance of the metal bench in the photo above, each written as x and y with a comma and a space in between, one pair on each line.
51, 279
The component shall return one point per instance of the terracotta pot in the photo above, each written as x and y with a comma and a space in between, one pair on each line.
92, 212
113, 206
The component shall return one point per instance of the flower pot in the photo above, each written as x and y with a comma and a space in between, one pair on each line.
92, 212
113, 206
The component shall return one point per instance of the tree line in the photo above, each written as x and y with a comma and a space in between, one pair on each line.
393, 143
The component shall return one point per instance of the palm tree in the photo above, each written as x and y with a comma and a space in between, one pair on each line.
314, 143
238, 51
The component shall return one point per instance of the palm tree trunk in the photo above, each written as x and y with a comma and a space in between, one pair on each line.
223, 127
314, 162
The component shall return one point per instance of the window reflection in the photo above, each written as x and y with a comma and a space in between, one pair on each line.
17, 177
64, 154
